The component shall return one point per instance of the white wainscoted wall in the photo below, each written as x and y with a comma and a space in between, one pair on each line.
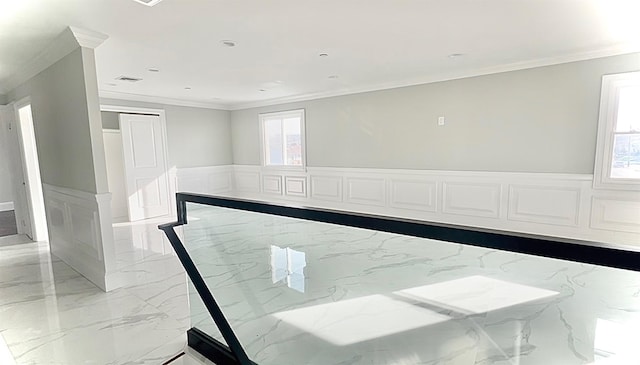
80, 232
559, 205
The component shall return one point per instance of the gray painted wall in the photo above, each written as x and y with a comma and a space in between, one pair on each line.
196, 137
110, 120
537, 120
3, 99
64, 101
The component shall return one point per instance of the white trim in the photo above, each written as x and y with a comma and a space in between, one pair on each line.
106, 94
66, 42
88, 38
611, 84
547, 204
6, 206
541, 62
80, 232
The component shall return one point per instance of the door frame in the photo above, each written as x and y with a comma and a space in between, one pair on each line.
163, 123
36, 211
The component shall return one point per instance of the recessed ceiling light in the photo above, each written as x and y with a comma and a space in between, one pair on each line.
112, 84
228, 43
148, 2
333, 76
153, 69
323, 55
262, 90
454, 56
187, 88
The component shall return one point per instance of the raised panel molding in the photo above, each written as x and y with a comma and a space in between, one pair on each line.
413, 194
544, 204
471, 199
615, 214
272, 184
79, 232
368, 191
295, 186
549, 204
326, 187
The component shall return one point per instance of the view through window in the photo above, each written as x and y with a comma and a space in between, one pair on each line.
283, 138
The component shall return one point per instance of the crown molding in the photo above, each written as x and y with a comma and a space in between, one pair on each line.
65, 43
104, 94
542, 62
87, 38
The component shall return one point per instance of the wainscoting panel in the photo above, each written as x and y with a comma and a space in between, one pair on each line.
413, 194
549, 205
326, 187
556, 205
79, 233
367, 191
272, 184
615, 214
295, 186
479, 199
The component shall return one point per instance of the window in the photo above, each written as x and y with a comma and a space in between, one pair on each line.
618, 148
283, 138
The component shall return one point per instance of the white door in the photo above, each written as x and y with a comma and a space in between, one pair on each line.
20, 204
147, 184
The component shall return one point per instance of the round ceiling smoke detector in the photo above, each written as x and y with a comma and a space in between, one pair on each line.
323, 55
455, 56
228, 43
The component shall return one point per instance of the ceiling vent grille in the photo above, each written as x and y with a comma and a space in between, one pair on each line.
148, 2
128, 78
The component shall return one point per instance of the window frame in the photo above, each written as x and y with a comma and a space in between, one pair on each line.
262, 117
609, 99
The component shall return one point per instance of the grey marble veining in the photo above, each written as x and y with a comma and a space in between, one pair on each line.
50, 314
378, 298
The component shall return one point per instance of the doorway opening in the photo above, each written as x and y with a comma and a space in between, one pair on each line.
23, 175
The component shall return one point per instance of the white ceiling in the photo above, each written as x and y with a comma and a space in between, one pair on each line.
371, 44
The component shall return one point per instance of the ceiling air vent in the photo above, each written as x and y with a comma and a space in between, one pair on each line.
148, 2
128, 78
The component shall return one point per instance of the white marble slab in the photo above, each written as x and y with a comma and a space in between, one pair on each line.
378, 298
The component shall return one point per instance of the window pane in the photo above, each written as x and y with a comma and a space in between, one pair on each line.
293, 134
626, 156
273, 142
629, 110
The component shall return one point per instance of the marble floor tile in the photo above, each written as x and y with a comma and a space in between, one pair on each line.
49, 314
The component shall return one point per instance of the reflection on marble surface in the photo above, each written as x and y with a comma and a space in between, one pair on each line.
287, 265
49, 314
379, 298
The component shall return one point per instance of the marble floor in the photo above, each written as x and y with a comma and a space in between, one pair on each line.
49, 314
300, 292
310, 293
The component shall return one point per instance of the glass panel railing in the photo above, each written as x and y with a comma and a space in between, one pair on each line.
300, 291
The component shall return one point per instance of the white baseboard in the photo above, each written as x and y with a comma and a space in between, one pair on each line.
6, 206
